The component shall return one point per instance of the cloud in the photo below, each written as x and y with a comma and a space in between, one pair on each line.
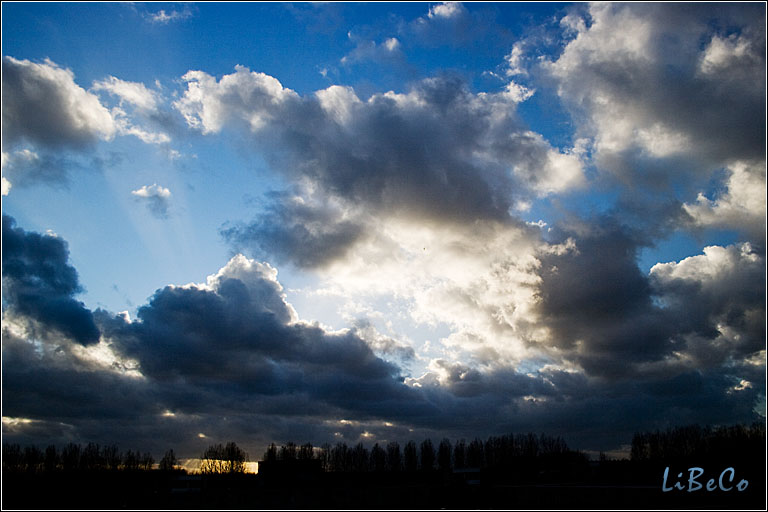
142, 103
446, 10
134, 93
597, 309
718, 301
741, 206
309, 234
156, 198
6, 186
50, 122
638, 78
39, 283
43, 105
26, 166
366, 50
454, 25
163, 18
237, 335
436, 152
231, 359
595, 306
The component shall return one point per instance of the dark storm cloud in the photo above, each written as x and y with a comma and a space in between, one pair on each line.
598, 304
293, 231
239, 338
42, 105
47, 381
38, 282
229, 360
613, 320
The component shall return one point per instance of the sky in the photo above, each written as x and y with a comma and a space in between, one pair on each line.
323, 222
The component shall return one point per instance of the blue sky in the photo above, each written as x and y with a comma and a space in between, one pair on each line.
490, 206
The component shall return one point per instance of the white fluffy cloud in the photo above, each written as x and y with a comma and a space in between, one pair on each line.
153, 190
446, 10
741, 206
157, 199
134, 93
639, 79
43, 105
479, 133
716, 268
244, 95
46, 110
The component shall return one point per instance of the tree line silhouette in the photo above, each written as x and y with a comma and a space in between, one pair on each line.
494, 453
718, 443
75, 457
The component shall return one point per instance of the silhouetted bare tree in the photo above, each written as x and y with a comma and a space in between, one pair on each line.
13, 457
112, 457
474, 458
394, 456
90, 458
235, 458
51, 459
427, 458
131, 461
459, 454
271, 454
306, 452
378, 458
70, 457
325, 457
169, 461
340, 458
410, 457
146, 461
359, 458
444, 456
212, 460
287, 451
33, 459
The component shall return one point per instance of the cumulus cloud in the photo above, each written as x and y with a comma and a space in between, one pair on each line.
638, 77
741, 206
718, 302
437, 152
230, 358
156, 198
43, 105
40, 284
446, 10
597, 310
49, 121
309, 233
407, 187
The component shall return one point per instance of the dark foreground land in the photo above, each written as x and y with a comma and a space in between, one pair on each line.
603, 485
